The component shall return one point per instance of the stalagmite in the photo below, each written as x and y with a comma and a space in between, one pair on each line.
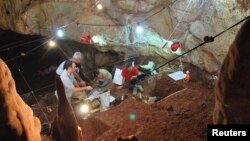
233, 87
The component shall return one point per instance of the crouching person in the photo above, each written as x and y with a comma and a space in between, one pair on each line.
102, 77
130, 76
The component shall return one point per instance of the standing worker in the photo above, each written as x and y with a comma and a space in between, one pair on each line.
77, 58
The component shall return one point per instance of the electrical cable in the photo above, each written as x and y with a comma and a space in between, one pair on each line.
177, 25
44, 107
32, 92
111, 64
13, 43
9, 48
109, 25
39, 89
28, 52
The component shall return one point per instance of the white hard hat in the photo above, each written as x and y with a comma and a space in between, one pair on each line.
187, 71
77, 55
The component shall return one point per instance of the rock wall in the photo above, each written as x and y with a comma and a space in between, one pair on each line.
187, 21
16, 118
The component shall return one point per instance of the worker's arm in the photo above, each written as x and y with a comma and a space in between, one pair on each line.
79, 79
80, 89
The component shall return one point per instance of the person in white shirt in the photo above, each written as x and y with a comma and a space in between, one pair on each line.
68, 80
77, 57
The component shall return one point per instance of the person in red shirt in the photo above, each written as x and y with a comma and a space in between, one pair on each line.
130, 74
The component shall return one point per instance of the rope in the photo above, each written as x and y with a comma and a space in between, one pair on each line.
36, 47
32, 92
231, 27
157, 12
64, 26
48, 86
109, 25
39, 89
111, 64
29, 51
7, 49
173, 2
180, 20
152, 15
13, 43
45, 107
177, 24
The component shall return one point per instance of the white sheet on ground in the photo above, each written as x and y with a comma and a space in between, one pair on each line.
106, 99
118, 77
93, 95
177, 75
96, 94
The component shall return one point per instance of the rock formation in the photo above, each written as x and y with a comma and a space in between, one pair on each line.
233, 87
65, 127
16, 117
129, 138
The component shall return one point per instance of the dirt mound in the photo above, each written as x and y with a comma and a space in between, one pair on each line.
92, 128
187, 112
166, 86
124, 119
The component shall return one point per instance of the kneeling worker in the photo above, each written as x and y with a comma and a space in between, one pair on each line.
102, 77
130, 76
